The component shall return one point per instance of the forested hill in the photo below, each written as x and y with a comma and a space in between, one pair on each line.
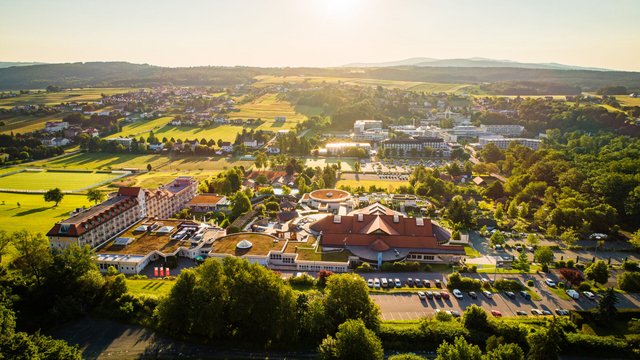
127, 74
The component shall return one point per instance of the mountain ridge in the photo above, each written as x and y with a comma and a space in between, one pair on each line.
473, 62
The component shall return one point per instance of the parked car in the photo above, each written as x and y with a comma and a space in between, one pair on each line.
445, 295
457, 293
473, 295
418, 282
550, 282
429, 295
376, 283
438, 284
498, 247
487, 294
519, 248
510, 294
521, 313
589, 295
390, 283
384, 282
536, 312
496, 313
426, 283
397, 282
573, 294
546, 312
409, 282
562, 312
525, 294
455, 313
370, 283
437, 295
421, 295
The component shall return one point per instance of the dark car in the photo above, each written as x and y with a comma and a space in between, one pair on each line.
510, 294
438, 284
445, 295
525, 294
426, 283
429, 295
437, 295
473, 295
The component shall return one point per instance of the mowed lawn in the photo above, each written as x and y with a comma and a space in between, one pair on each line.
97, 161
34, 213
45, 180
627, 100
152, 287
74, 95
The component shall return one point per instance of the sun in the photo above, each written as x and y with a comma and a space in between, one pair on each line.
340, 8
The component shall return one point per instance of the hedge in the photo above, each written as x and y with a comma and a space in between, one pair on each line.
590, 345
426, 336
508, 285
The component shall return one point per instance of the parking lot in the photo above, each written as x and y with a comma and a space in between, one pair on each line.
408, 306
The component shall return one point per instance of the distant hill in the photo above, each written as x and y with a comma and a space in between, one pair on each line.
473, 62
117, 74
6, 64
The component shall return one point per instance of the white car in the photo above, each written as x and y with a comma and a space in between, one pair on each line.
457, 293
536, 312
384, 282
589, 295
550, 282
573, 294
370, 283
376, 283
421, 295
397, 282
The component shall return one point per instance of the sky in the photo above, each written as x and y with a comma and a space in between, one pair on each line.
280, 33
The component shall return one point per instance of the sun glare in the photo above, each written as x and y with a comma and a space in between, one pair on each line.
339, 8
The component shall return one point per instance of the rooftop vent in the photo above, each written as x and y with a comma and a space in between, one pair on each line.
337, 219
419, 222
396, 218
329, 194
360, 217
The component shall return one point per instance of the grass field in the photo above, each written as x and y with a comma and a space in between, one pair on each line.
44, 180
26, 123
385, 184
95, 161
267, 80
345, 164
34, 213
151, 288
75, 95
626, 100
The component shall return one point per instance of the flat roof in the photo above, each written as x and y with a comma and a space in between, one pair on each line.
331, 195
262, 244
146, 242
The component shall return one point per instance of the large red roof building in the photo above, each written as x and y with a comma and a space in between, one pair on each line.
377, 234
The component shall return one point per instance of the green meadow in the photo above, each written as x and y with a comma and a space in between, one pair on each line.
45, 180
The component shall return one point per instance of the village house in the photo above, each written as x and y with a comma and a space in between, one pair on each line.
55, 126
207, 202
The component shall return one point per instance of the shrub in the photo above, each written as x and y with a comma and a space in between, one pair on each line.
561, 285
508, 285
405, 266
302, 280
629, 281
469, 269
530, 283
545, 268
630, 265
572, 276
592, 345
364, 268
584, 287
570, 264
463, 283
138, 277
561, 264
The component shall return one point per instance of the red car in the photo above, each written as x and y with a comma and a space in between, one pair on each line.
496, 313
445, 295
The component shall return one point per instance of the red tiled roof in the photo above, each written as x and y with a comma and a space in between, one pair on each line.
205, 199
129, 191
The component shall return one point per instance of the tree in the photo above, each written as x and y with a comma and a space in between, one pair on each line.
522, 262
353, 341
241, 204
459, 350
95, 196
406, 357
607, 306
533, 240
54, 195
475, 318
543, 255
569, 236
513, 210
598, 272
494, 190
149, 167
357, 167
545, 345
505, 352
5, 241
497, 238
491, 153
499, 213
347, 297
635, 239
458, 211
34, 256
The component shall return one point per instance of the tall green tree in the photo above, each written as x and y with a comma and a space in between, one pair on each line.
598, 272
240, 204
353, 341
545, 345
96, 196
34, 256
459, 350
607, 306
505, 352
543, 255
54, 195
347, 297
5, 242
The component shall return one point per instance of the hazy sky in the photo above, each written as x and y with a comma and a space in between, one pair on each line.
320, 33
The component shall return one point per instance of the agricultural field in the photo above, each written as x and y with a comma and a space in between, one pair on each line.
391, 185
44, 180
20, 124
34, 213
100, 161
267, 80
54, 98
627, 100
345, 164
267, 107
